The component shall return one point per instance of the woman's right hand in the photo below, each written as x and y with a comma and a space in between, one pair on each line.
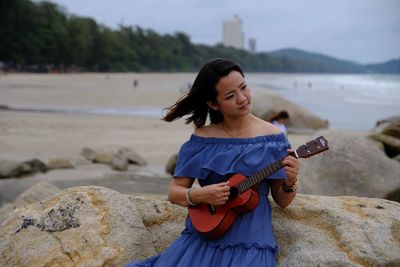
214, 194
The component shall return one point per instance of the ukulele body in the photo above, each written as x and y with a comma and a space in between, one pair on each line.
214, 224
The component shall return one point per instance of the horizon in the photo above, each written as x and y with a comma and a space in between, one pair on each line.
364, 32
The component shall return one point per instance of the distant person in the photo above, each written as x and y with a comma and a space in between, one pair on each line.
135, 83
280, 120
227, 139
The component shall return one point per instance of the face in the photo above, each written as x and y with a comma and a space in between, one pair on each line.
233, 95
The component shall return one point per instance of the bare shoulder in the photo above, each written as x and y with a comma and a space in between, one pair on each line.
265, 128
207, 131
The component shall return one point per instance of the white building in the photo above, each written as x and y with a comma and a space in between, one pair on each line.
233, 33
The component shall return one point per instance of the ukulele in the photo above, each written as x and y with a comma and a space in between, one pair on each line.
213, 221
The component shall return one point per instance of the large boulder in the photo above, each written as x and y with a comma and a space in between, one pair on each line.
10, 169
13, 169
352, 166
163, 221
266, 103
338, 231
387, 132
312, 231
94, 226
81, 226
35, 193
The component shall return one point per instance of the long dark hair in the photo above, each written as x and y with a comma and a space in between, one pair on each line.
280, 115
203, 90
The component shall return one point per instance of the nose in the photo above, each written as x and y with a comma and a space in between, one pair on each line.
241, 98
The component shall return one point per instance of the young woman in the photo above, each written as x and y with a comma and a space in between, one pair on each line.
235, 141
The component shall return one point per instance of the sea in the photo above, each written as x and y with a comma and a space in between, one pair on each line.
348, 102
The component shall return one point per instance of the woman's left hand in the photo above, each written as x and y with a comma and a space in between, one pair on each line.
292, 167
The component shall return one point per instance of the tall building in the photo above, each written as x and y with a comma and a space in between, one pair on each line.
252, 45
233, 33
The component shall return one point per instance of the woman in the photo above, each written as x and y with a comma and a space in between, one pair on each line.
235, 141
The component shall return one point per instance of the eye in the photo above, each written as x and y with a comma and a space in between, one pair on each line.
244, 87
228, 97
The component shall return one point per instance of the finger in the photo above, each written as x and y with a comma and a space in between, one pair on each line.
292, 174
226, 188
223, 184
291, 163
291, 170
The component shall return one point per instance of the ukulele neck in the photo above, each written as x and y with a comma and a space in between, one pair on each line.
263, 174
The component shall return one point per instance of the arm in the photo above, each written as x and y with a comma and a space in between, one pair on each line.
215, 194
282, 198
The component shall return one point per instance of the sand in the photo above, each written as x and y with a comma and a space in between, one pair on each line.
48, 135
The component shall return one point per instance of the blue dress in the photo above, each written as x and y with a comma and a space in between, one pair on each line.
250, 241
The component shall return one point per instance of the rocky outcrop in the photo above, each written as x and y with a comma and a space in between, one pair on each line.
93, 226
265, 104
35, 193
338, 231
387, 133
59, 163
81, 226
312, 231
163, 221
17, 169
352, 166
117, 160
13, 169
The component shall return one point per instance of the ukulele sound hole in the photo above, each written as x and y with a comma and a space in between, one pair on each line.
233, 192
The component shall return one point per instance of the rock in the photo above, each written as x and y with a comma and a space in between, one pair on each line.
81, 161
119, 162
387, 132
352, 166
266, 103
104, 158
312, 231
36, 165
13, 169
132, 156
35, 193
338, 231
392, 130
171, 164
163, 221
10, 169
94, 226
81, 226
115, 160
13, 187
391, 144
394, 195
88, 153
381, 124
60, 164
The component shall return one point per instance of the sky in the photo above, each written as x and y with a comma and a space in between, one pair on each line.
363, 31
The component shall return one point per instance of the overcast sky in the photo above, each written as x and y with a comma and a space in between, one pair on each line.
365, 31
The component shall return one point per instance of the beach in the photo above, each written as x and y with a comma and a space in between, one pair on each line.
57, 115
